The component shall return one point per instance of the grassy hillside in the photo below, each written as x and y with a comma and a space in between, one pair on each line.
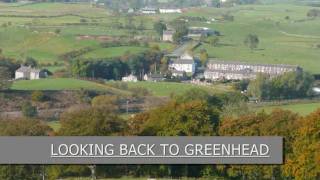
29, 30
282, 41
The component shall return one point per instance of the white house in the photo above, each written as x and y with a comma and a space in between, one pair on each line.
148, 10
185, 63
130, 78
168, 35
27, 72
168, 11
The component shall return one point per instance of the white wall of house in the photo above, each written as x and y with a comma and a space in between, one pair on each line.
167, 37
166, 11
20, 75
188, 68
34, 75
130, 78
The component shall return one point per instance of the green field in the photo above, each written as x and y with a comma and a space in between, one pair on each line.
113, 52
302, 109
56, 84
25, 32
282, 41
170, 88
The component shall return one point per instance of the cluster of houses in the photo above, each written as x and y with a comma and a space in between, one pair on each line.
216, 70
149, 10
235, 70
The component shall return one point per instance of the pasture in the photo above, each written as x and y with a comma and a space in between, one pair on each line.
171, 88
282, 41
300, 108
286, 35
57, 84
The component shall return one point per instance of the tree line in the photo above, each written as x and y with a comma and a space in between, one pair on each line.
194, 113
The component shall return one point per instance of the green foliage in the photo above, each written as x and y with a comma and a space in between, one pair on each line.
38, 96
204, 57
105, 102
313, 13
242, 85
181, 28
28, 110
277, 123
159, 27
91, 122
251, 41
23, 127
186, 119
287, 86
31, 62
5, 76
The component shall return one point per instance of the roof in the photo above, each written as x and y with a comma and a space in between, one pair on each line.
168, 32
24, 69
28, 69
251, 64
245, 71
182, 61
149, 9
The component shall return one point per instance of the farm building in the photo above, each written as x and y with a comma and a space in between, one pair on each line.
153, 77
147, 10
168, 35
233, 70
130, 78
196, 32
185, 63
27, 72
167, 11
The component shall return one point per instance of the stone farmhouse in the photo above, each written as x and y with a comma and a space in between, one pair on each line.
29, 73
168, 11
168, 35
185, 63
197, 32
233, 70
130, 78
148, 10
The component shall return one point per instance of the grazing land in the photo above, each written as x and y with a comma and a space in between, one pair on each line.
286, 34
301, 108
57, 84
171, 88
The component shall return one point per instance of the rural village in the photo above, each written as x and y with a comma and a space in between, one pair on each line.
163, 68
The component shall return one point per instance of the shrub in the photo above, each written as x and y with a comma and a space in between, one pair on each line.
38, 96
28, 110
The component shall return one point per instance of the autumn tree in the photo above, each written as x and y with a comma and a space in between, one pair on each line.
91, 122
107, 103
22, 127
304, 161
277, 123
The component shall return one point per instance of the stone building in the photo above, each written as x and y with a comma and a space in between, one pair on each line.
233, 70
29, 73
168, 35
130, 78
185, 63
